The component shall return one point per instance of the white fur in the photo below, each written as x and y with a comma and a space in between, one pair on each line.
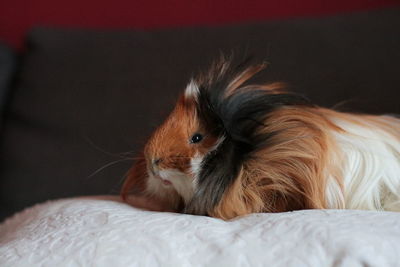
334, 194
195, 167
157, 188
192, 90
180, 181
370, 163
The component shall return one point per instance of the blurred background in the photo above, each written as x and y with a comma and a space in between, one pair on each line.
83, 83
19, 16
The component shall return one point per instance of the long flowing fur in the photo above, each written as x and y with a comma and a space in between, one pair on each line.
266, 150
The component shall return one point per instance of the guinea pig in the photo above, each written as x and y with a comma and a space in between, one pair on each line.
230, 148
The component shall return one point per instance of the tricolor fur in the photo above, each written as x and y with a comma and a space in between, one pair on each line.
265, 150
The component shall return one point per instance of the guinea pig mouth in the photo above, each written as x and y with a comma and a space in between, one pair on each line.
164, 181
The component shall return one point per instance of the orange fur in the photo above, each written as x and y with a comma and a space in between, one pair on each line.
290, 174
166, 143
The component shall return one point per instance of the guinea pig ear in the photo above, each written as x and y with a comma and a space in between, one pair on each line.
135, 183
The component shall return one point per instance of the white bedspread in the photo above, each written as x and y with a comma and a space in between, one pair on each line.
103, 232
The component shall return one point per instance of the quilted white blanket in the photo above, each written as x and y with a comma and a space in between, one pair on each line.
101, 231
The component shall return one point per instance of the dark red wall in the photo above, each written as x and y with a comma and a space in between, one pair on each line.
17, 16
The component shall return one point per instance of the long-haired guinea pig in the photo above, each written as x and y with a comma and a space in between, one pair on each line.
230, 148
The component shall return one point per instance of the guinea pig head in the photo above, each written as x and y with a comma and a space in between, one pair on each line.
176, 149
172, 157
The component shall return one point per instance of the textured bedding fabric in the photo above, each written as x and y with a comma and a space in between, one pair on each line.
101, 231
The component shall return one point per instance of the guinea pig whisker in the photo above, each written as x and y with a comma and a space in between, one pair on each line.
108, 165
342, 104
132, 152
118, 155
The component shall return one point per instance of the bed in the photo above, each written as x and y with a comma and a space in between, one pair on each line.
103, 231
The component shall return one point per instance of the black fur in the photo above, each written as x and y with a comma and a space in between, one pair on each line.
236, 118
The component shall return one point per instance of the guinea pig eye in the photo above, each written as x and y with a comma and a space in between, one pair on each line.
196, 138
